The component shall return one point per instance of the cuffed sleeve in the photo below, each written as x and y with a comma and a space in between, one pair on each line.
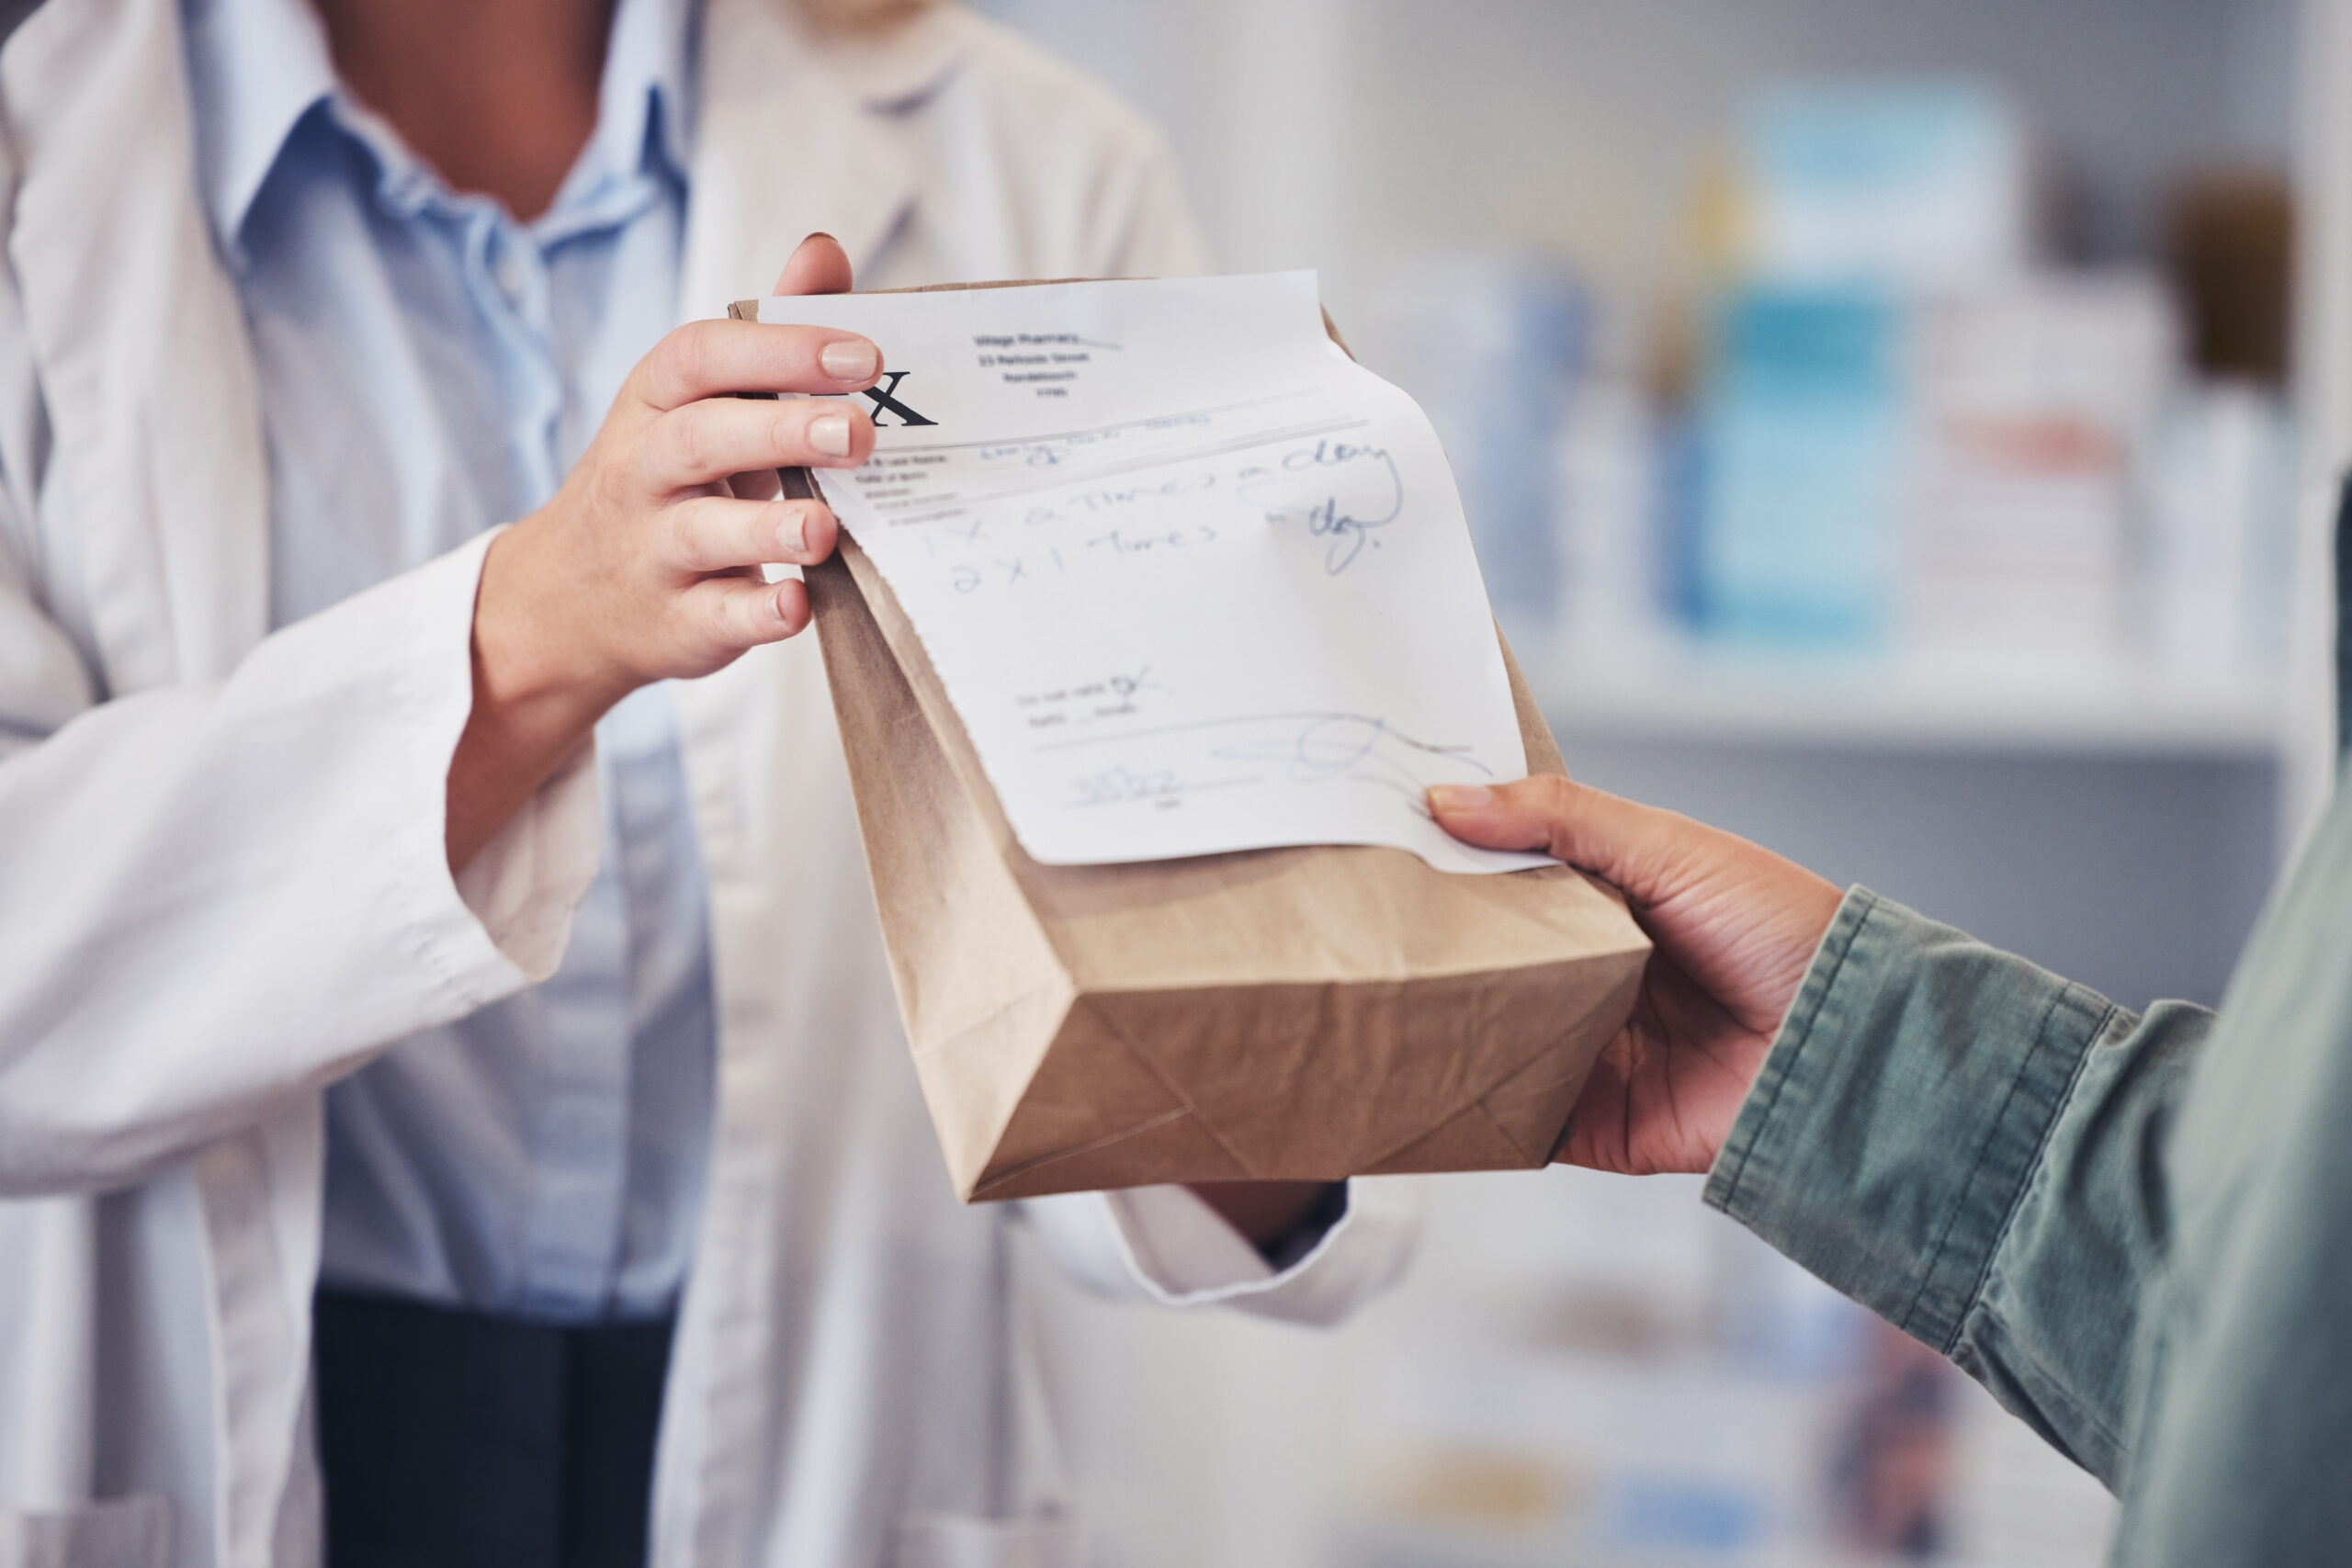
213, 896
1164, 1245
1181, 1251
524, 885
1962, 1142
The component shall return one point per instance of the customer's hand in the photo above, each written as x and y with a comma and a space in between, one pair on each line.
646, 565
1735, 927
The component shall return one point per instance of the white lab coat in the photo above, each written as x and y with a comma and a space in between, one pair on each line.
221, 878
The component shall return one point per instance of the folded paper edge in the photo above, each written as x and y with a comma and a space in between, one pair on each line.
1015, 1181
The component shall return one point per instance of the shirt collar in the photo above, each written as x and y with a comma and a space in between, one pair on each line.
257, 67
643, 108
646, 100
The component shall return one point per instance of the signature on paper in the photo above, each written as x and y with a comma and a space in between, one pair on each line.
1163, 789
1322, 748
1299, 748
1119, 785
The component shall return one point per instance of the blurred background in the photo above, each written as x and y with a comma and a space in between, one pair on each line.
1899, 432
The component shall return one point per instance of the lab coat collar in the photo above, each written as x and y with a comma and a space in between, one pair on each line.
138, 340
895, 68
801, 130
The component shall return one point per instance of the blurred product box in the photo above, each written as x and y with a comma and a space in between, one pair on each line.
2221, 497
1983, 475
1891, 431
1609, 493
1804, 422
1853, 202
1492, 347
1908, 436
1906, 184
2037, 404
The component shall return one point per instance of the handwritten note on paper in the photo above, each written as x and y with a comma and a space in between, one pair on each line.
1195, 580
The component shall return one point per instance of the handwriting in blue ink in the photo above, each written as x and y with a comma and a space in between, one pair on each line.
1336, 490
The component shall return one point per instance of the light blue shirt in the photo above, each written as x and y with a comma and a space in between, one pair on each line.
429, 368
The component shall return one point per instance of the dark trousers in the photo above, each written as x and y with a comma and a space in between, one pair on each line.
454, 1440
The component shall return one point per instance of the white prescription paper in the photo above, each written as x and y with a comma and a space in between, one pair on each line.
1195, 581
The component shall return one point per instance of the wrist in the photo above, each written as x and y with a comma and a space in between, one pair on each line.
532, 670
534, 701
1265, 1212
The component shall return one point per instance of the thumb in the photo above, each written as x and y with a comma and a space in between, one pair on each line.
818, 265
1638, 848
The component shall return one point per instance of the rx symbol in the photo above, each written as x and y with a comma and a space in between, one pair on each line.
884, 397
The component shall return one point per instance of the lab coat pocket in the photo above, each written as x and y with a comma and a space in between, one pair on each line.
969, 1541
126, 1532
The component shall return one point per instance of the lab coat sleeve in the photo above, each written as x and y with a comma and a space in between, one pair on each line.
214, 897
1164, 1245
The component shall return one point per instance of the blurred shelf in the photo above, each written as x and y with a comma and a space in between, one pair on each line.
1683, 695
1385, 1543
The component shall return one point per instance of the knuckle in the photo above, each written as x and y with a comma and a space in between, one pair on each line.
788, 608
1550, 794
761, 526
714, 621
685, 359
663, 367
719, 618
756, 613
786, 426
681, 534
690, 439
773, 525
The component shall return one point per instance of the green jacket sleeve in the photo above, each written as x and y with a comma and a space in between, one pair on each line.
1971, 1147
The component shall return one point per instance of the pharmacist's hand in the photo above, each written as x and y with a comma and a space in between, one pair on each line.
646, 565
1735, 927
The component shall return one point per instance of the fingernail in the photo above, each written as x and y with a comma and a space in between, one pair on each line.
829, 434
1461, 798
851, 359
791, 534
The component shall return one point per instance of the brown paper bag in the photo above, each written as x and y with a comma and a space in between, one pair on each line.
1295, 1013
1275, 1014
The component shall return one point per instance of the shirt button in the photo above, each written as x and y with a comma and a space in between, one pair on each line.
514, 277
